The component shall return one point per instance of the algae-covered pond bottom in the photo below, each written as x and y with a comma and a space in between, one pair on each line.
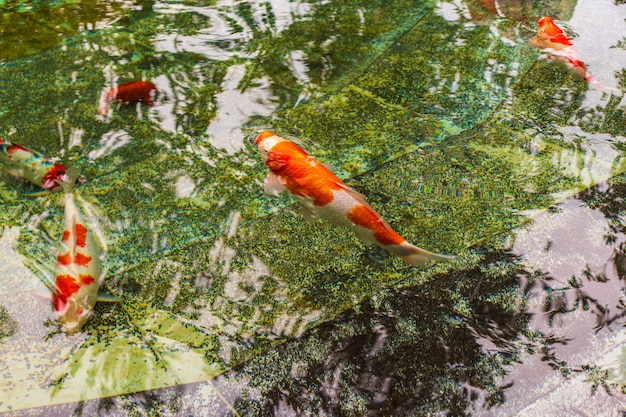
440, 113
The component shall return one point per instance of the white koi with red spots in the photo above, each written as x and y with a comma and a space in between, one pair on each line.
322, 195
30, 165
78, 270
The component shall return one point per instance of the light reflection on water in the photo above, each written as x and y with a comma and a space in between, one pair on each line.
207, 264
235, 108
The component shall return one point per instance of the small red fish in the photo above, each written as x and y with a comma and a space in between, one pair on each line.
490, 5
321, 194
557, 46
128, 93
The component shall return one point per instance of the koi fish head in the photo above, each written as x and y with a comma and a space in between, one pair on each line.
52, 177
73, 318
74, 310
266, 141
276, 151
550, 32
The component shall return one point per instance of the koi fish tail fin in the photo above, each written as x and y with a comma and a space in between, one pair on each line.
71, 177
105, 99
417, 256
102, 108
600, 86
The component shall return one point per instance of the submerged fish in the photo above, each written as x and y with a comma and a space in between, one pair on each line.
557, 46
31, 166
321, 194
78, 271
127, 93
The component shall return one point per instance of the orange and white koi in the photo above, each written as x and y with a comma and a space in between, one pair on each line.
557, 46
127, 93
78, 270
30, 165
321, 194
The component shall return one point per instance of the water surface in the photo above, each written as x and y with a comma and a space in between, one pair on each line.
439, 112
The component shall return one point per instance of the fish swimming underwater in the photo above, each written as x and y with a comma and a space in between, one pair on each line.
557, 46
78, 271
127, 93
321, 194
32, 166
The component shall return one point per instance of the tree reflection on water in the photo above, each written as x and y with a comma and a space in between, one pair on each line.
423, 350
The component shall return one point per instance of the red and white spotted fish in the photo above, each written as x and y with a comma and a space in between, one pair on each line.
128, 93
78, 271
321, 194
32, 166
558, 47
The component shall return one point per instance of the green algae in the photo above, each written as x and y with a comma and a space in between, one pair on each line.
8, 326
50, 24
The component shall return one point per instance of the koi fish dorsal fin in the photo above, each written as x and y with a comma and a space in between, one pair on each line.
354, 193
71, 176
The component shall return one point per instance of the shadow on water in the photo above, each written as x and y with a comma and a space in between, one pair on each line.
445, 347
438, 348
608, 199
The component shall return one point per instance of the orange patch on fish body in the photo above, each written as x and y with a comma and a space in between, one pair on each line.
64, 259
66, 236
79, 259
263, 135
490, 5
302, 175
81, 235
65, 287
82, 260
86, 279
367, 218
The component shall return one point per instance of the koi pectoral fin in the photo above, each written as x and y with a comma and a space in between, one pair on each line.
364, 235
273, 185
44, 292
36, 193
309, 213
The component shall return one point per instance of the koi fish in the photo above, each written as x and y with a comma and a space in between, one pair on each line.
557, 46
127, 93
321, 194
78, 270
30, 165
490, 5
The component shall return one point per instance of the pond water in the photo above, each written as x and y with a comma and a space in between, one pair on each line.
439, 112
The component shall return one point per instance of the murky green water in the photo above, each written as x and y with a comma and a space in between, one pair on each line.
439, 112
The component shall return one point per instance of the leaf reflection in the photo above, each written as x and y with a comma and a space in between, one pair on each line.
442, 346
